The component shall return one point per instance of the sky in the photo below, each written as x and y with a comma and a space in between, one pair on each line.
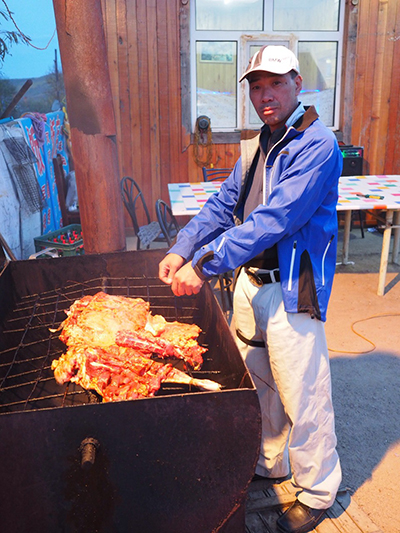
35, 18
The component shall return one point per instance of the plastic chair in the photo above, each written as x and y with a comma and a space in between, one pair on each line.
135, 203
214, 174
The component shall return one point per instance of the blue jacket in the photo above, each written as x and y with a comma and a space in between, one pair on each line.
302, 172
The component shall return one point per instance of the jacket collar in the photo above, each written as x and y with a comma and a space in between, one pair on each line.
295, 116
309, 117
250, 146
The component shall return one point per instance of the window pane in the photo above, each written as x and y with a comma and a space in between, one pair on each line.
307, 15
216, 82
229, 15
318, 68
254, 119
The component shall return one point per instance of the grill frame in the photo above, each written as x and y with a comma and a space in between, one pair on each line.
190, 465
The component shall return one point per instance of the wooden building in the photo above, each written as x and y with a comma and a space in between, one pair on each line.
146, 54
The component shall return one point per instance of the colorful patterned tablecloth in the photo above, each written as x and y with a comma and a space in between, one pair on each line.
369, 192
189, 198
355, 192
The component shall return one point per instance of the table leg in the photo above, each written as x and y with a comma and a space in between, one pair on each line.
346, 237
396, 237
385, 252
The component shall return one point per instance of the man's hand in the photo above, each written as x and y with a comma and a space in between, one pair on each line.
169, 266
182, 278
186, 281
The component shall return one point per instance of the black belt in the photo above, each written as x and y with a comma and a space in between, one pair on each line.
261, 279
249, 342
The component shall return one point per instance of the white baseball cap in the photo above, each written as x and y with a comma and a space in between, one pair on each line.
272, 58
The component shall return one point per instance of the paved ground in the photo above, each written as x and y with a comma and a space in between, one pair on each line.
366, 378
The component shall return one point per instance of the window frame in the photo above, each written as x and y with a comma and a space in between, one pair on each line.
189, 36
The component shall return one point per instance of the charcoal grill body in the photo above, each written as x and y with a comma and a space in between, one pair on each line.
178, 462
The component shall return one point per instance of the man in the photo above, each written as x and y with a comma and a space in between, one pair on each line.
275, 218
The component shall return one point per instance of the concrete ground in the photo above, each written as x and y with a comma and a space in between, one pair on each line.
363, 333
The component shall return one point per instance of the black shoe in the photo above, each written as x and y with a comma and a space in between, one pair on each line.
299, 518
257, 477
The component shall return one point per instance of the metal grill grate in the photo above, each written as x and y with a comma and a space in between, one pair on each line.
28, 186
23, 173
19, 149
31, 341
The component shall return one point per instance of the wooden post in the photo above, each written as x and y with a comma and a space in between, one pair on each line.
346, 237
91, 116
385, 252
396, 236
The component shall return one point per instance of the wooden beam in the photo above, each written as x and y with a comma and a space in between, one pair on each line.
93, 130
14, 102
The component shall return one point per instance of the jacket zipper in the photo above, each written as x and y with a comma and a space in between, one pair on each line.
270, 167
323, 259
292, 265
264, 184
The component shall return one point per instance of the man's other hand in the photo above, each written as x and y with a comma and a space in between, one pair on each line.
169, 267
186, 281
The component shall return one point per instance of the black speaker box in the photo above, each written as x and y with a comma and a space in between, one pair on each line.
353, 157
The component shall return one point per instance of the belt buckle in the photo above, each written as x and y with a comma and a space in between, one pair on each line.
254, 278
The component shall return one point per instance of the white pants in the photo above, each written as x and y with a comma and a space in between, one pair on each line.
292, 376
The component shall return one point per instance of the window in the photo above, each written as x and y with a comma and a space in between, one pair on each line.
225, 34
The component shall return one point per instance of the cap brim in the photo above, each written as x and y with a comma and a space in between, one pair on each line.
247, 73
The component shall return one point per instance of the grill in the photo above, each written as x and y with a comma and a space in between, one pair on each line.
177, 462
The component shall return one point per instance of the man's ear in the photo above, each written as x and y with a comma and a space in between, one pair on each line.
299, 84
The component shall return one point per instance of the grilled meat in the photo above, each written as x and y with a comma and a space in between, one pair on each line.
111, 340
142, 340
95, 320
118, 373
105, 320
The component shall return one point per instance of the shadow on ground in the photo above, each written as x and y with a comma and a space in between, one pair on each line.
366, 396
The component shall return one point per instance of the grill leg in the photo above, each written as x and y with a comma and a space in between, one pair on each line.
235, 523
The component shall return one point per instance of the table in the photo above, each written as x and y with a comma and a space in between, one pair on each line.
355, 193
374, 192
189, 198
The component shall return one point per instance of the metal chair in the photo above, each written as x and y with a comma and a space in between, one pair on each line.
135, 204
170, 228
214, 174
68, 217
225, 283
168, 223
225, 280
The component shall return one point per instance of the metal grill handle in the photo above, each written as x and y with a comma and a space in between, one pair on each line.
88, 450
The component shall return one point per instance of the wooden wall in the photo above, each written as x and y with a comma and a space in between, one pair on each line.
143, 39
374, 115
144, 61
